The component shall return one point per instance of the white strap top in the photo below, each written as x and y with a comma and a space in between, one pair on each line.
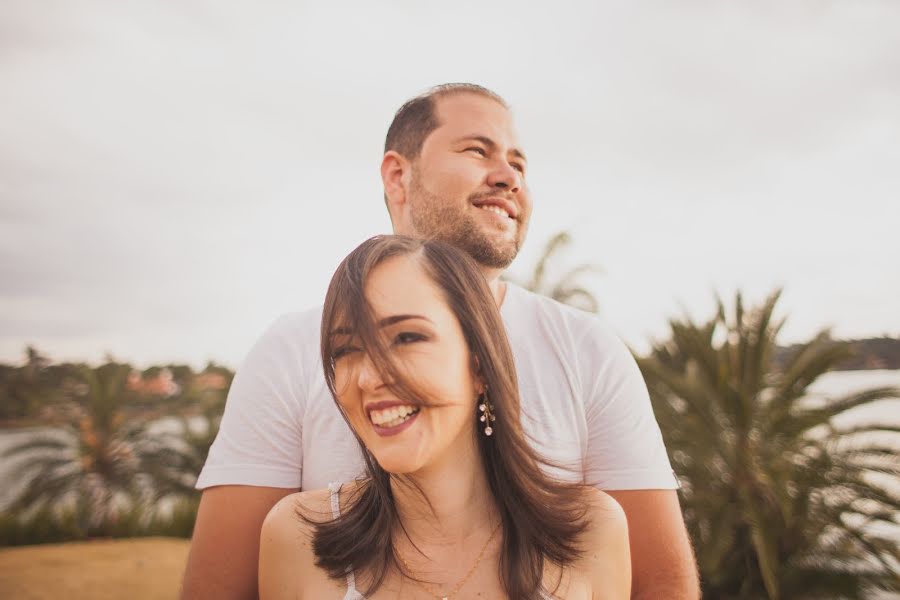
352, 592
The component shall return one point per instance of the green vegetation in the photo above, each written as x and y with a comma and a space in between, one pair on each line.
780, 502
872, 353
120, 453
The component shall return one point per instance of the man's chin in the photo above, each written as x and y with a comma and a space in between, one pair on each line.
495, 257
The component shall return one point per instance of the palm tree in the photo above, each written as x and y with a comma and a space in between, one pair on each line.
195, 440
32, 390
780, 501
565, 287
99, 461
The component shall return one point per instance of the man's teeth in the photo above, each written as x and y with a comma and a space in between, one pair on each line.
391, 417
495, 209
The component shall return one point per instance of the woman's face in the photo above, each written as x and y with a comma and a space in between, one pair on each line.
426, 343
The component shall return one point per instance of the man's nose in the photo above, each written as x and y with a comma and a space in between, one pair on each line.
503, 175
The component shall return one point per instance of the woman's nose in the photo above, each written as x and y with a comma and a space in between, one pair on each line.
370, 378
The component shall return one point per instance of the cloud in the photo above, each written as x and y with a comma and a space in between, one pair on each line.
172, 176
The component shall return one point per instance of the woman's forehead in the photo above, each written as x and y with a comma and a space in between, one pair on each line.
400, 286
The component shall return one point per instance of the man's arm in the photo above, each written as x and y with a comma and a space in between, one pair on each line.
255, 460
224, 556
662, 561
627, 458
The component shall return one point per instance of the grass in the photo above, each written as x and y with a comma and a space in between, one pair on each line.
137, 569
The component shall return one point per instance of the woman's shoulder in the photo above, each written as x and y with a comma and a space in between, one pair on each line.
291, 509
606, 560
285, 531
286, 557
603, 508
298, 513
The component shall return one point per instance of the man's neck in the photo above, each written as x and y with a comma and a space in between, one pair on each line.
498, 287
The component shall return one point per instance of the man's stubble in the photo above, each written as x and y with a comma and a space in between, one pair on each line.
435, 217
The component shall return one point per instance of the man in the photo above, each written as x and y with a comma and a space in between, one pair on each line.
453, 169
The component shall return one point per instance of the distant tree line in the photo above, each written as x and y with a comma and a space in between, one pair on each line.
865, 354
30, 392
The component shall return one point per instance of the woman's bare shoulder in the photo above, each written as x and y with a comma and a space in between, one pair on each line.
603, 508
285, 531
288, 513
286, 557
606, 561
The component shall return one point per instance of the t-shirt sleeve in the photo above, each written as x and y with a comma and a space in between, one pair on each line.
259, 441
625, 449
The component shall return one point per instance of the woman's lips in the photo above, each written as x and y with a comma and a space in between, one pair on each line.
388, 431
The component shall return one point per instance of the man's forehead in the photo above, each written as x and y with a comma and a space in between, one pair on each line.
474, 114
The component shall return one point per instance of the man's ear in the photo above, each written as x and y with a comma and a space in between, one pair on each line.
394, 170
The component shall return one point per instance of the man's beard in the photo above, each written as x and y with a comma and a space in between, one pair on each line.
435, 217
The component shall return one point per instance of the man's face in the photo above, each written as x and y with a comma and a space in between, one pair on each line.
468, 184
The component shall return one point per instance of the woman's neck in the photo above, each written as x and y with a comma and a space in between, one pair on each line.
446, 503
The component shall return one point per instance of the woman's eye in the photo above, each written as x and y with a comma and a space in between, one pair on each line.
408, 337
342, 351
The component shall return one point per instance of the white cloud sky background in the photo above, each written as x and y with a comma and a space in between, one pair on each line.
173, 176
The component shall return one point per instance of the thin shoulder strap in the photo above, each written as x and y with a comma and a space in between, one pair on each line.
335, 489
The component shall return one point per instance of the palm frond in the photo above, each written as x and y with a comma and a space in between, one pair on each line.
774, 493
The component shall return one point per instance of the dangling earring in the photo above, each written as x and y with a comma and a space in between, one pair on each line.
487, 416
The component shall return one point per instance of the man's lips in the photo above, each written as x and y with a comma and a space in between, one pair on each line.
507, 205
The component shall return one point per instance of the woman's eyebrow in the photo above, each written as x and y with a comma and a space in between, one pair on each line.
399, 318
386, 322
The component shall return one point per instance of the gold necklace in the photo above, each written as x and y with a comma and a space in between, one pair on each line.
462, 582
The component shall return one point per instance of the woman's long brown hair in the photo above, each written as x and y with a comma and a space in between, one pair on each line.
541, 517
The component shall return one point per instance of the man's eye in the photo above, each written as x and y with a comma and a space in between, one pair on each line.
519, 167
476, 149
408, 337
342, 351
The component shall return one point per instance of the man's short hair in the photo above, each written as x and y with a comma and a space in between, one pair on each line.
417, 118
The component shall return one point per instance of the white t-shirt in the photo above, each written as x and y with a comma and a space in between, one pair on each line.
584, 404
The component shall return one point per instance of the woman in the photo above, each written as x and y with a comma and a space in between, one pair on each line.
454, 503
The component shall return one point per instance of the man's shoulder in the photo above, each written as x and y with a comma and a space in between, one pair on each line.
529, 310
523, 300
296, 322
291, 333
284, 356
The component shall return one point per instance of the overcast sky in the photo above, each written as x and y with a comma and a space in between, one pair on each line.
175, 175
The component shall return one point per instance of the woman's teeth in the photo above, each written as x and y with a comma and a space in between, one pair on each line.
391, 417
495, 209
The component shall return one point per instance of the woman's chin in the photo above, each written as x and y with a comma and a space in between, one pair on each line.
400, 459
398, 463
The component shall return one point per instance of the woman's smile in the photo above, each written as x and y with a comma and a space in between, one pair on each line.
390, 418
